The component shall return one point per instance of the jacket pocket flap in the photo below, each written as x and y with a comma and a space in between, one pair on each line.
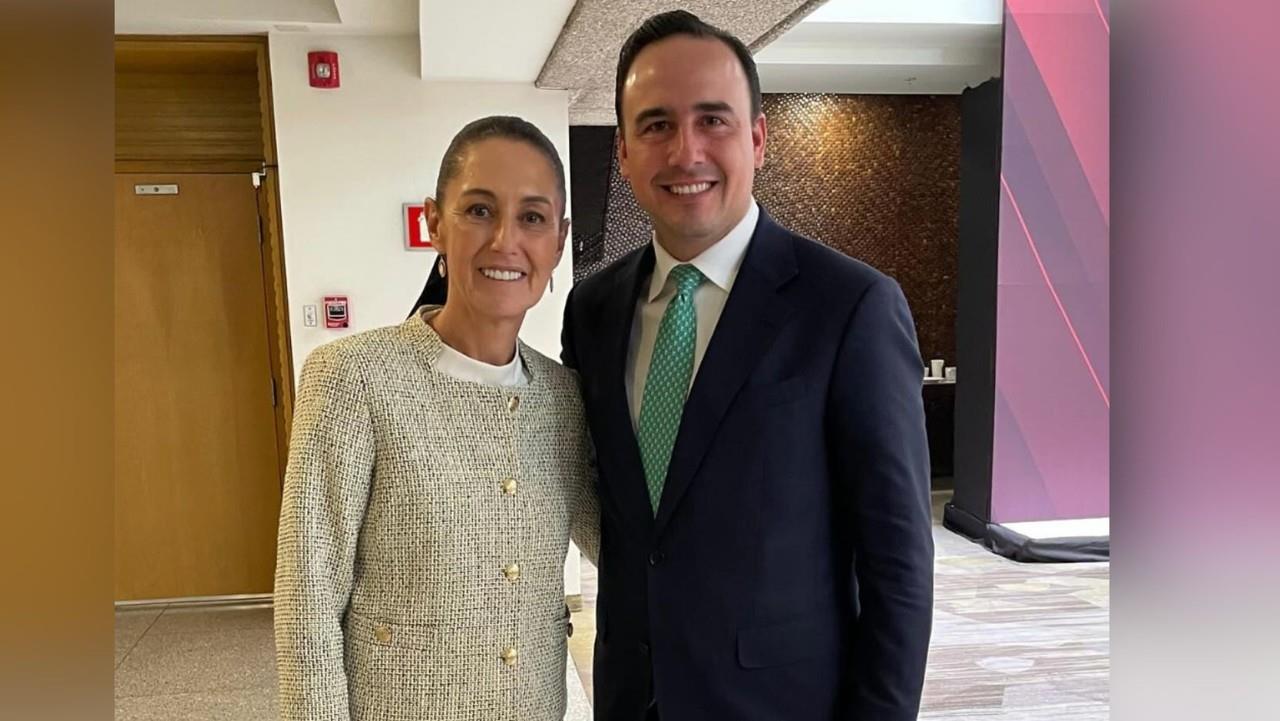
785, 643
386, 633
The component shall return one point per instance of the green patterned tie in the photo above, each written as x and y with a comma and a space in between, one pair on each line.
668, 381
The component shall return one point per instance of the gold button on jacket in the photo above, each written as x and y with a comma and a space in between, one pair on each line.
385, 599
512, 572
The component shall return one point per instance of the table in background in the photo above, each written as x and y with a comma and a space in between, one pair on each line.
940, 424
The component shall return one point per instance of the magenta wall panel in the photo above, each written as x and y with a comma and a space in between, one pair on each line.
1052, 406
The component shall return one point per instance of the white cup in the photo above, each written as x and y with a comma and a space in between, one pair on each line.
951, 373
935, 367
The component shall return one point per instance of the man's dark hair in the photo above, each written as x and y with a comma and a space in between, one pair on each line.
496, 126
682, 22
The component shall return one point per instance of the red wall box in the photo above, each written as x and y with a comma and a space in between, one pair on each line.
337, 312
322, 68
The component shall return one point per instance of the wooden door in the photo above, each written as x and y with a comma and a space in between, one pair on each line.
197, 464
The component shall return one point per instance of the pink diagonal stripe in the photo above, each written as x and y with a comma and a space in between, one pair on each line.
1044, 273
1102, 17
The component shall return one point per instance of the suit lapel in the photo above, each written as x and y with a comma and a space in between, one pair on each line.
755, 312
627, 488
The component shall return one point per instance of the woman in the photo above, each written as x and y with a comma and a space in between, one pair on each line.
436, 472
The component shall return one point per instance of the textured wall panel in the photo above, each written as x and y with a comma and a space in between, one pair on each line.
876, 177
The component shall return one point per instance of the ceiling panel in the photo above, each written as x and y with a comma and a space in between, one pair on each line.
585, 56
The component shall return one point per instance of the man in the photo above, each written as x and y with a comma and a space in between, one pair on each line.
755, 402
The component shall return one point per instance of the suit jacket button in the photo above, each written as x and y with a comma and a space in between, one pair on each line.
382, 633
656, 557
644, 648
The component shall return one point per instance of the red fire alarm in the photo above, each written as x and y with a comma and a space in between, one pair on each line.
324, 68
336, 312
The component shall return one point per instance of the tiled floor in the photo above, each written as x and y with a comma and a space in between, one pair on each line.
1016, 641
193, 664
213, 664
1011, 642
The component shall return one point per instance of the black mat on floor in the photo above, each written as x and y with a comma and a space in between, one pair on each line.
1015, 546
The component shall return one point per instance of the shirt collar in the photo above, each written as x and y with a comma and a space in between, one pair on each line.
719, 263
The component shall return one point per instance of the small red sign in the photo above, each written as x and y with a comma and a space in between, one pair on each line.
415, 227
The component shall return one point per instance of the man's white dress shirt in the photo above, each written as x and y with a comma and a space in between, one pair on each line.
720, 264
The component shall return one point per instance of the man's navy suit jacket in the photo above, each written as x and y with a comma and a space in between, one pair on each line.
788, 573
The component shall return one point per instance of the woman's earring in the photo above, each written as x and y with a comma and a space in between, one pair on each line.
553, 284
442, 267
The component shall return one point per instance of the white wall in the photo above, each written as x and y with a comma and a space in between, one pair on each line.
350, 157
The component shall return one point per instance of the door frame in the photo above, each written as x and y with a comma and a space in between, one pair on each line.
270, 227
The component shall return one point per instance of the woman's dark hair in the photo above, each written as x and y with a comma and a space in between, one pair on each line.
506, 127
682, 22
495, 126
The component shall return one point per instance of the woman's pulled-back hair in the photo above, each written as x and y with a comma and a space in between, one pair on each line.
496, 126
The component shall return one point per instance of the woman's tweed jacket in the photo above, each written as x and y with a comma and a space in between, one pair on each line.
423, 533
